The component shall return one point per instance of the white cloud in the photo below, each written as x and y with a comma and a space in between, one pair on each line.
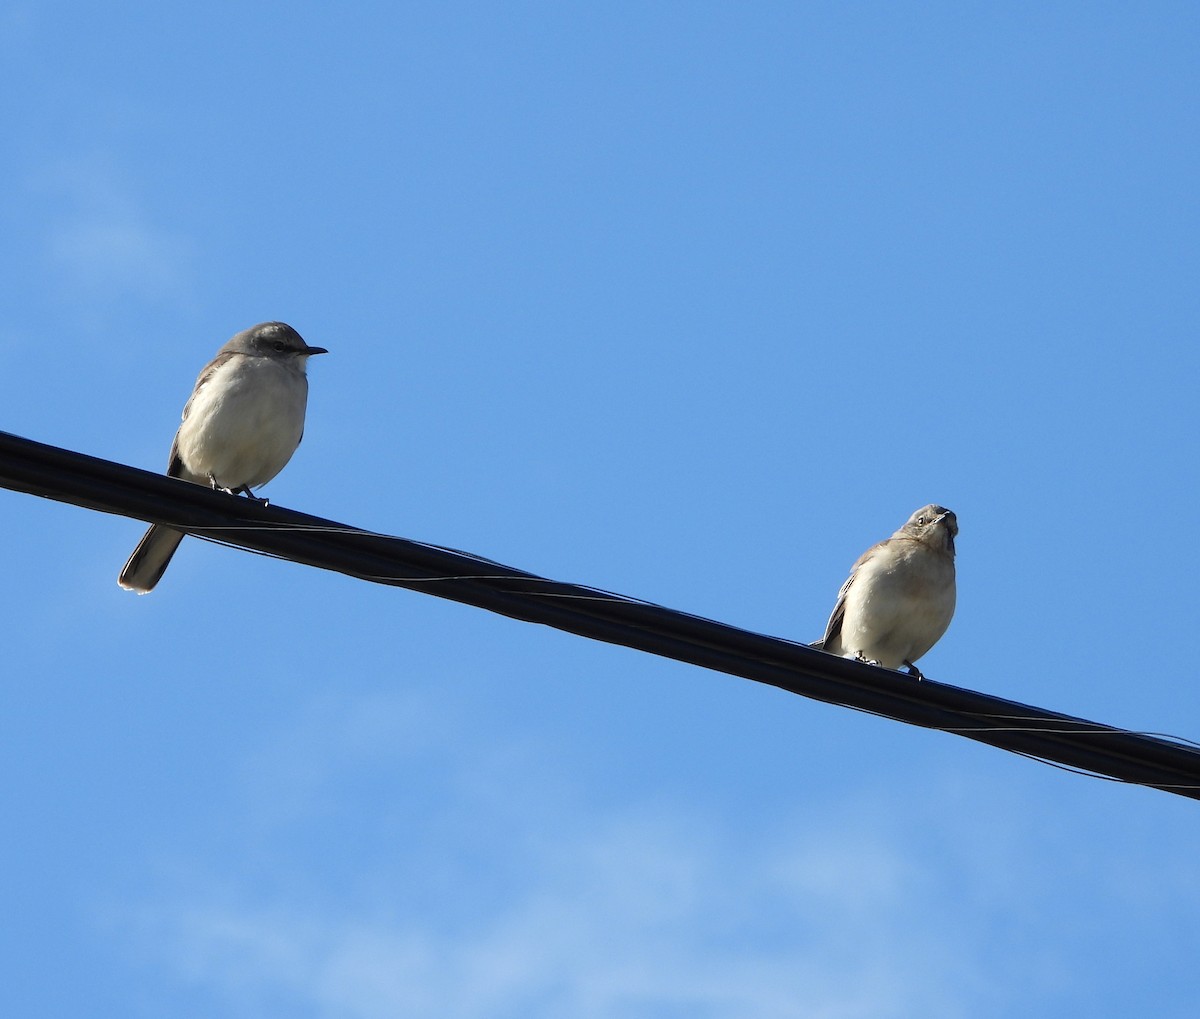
420, 868
634, 919
648, 911
103, 239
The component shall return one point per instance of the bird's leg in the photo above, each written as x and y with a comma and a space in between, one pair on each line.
914, 672
240, 490
245, 490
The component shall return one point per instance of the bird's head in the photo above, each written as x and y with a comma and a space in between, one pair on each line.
934, 525
273, 339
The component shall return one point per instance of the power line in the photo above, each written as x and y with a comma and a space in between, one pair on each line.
1146, 759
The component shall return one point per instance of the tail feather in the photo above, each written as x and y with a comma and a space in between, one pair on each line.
150, 559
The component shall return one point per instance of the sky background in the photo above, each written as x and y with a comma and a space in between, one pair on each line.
691, 301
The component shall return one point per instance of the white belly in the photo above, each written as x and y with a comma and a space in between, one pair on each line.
893, 616
244, 424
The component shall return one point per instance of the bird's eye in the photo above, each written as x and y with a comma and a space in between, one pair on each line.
281, 347
921, 521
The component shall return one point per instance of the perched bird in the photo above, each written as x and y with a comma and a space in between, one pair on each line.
899, 597
240, 427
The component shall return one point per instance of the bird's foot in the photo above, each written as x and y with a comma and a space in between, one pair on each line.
915, 672
860, 657
240, 490
245, 490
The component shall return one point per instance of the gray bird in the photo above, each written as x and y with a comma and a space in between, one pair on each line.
240, 427
899, 597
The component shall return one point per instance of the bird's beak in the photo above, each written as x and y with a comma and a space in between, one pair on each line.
951, 527
309, 351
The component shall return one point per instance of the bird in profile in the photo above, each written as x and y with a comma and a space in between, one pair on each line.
240, 427
899, 597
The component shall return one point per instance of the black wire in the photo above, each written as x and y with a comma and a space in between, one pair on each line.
1062, 740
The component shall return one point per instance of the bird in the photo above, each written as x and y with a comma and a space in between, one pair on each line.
240, 427
900, 595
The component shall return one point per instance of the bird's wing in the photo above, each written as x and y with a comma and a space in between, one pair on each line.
206, 375
834, 627
174, 461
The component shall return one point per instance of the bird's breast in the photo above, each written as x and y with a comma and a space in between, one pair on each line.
245, 422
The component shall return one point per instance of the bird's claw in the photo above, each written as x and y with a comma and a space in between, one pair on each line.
245, 490
240, 490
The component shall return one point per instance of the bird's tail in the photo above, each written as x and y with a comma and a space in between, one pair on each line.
150, 559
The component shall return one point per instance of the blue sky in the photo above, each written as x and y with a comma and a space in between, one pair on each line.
689, 301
